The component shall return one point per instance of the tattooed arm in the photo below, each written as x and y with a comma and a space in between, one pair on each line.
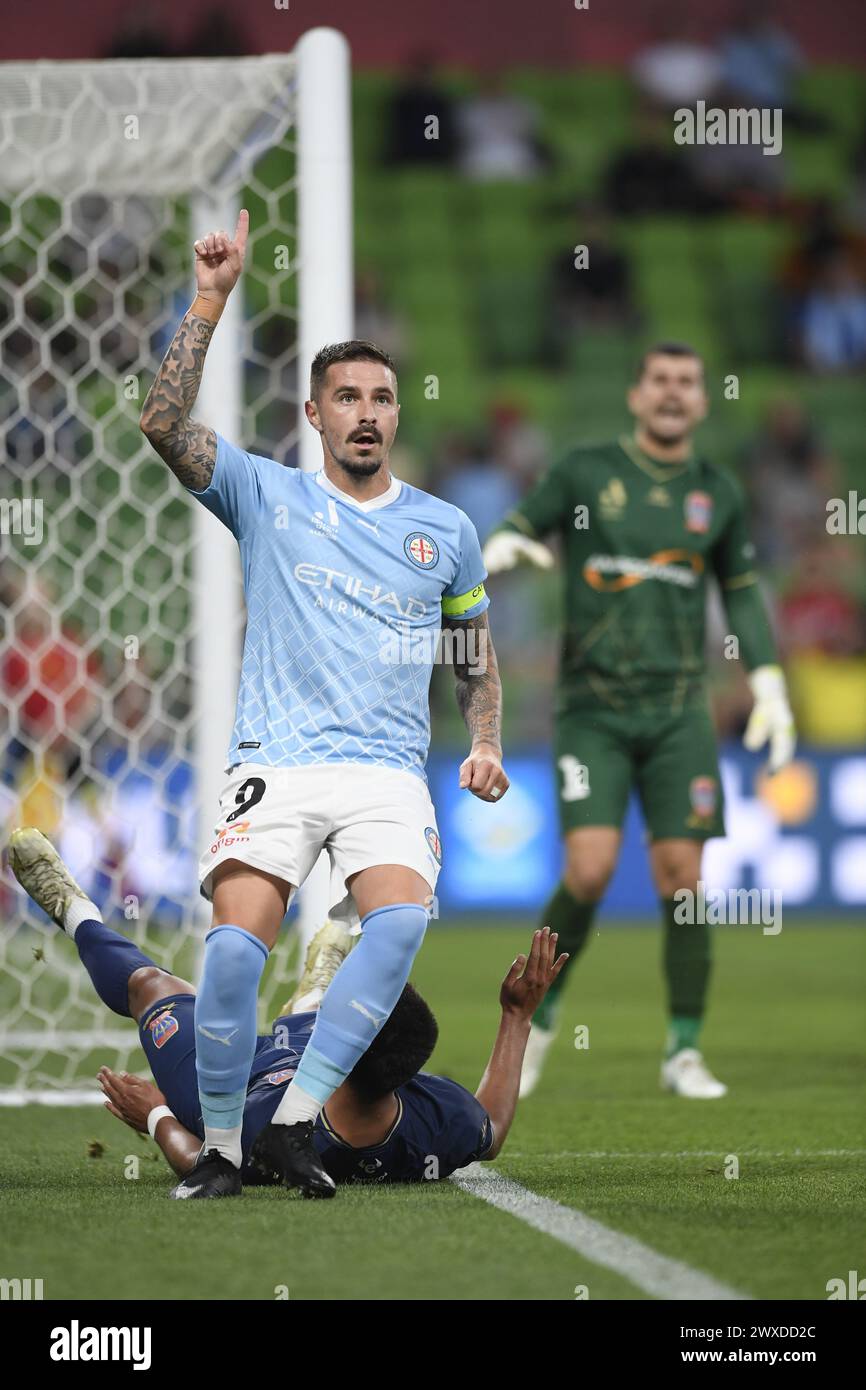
479, 698
189, 448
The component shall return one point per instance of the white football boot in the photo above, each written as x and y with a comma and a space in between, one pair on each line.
537, 1046
325, 954
686, 1075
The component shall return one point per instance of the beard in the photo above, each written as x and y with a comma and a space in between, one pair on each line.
359, 468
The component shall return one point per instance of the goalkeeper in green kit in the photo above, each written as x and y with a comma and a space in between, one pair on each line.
644, 522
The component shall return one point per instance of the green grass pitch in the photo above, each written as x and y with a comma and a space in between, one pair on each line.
785, 1031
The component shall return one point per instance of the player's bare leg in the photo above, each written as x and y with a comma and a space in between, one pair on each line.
591, 853
251, 899
385, 885
149, 985
676, 865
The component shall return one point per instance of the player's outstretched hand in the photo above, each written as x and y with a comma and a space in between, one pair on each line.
505, 549
771, 720
129, 1098
530, 977
481, 773
219, 258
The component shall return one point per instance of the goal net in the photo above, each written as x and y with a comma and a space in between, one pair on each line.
121, 613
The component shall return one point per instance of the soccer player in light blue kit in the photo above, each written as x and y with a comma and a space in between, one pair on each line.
349, 576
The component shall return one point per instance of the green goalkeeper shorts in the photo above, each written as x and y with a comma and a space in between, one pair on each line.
670, 759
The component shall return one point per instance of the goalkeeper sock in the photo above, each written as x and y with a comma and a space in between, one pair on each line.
687, 964
109, 960
682, 1032
225, 1033
357, 1002
571, 920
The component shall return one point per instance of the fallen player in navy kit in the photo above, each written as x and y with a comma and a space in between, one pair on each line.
388, 1122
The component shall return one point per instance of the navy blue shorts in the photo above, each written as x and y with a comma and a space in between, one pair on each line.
167, 1033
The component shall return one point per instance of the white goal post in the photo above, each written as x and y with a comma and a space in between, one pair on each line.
121, 599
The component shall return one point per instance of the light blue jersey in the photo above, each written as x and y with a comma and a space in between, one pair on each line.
345, 600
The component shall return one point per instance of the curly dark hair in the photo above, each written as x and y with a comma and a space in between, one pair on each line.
399, 1049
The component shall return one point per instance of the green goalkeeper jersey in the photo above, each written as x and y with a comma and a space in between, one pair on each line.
640, 539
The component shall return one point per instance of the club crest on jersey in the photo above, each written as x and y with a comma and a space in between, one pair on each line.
434, 843
612, 499
702, 795
276, 1078
698, 507
163, 1027
421, 549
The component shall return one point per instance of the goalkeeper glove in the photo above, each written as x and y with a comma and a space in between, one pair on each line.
506, 548
771, 717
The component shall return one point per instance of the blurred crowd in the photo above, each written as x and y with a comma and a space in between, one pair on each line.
818, 294
814, 303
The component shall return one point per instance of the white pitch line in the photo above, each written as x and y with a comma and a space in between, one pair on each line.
644, 1267
57, 1097
696, 1153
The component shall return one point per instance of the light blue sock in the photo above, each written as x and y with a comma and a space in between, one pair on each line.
225, 1029
357, 1002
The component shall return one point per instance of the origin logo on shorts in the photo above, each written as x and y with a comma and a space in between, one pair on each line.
698, 509
421, 549
163, 1027
234, 835
434, 843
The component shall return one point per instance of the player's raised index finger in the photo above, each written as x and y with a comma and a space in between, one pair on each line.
242, 230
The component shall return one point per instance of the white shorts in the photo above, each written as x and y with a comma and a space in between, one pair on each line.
279, 819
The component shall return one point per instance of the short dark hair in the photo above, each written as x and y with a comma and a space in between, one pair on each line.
399, 1050
667, 349
355, 350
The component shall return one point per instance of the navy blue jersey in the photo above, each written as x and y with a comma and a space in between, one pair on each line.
439, 1125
